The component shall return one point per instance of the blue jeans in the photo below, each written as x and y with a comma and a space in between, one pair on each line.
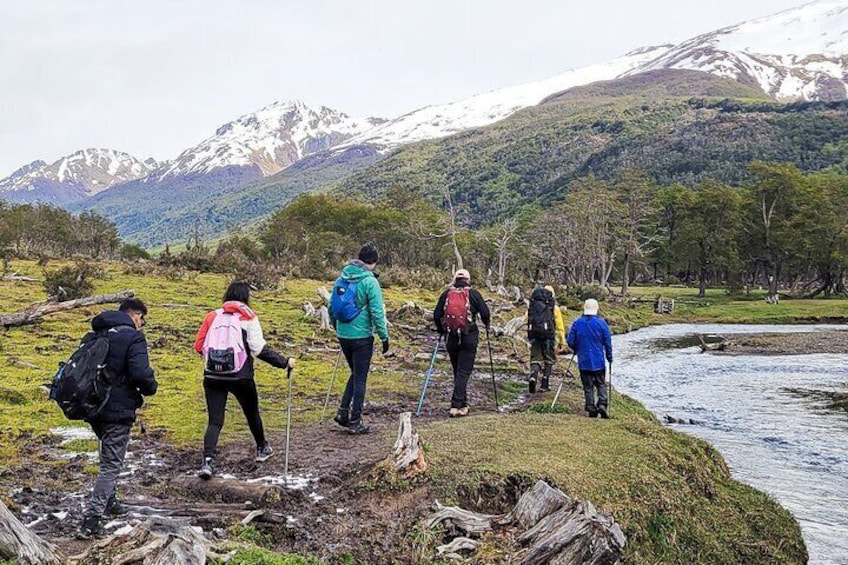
358, 354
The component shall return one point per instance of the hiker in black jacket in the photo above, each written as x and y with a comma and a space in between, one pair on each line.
133, 378
456, 317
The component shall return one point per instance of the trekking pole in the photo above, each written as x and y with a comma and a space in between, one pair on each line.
609, 391
492, 363
562, 382
427, 376
330, 390
288, 426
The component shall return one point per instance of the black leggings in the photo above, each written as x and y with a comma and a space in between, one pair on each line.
216, 404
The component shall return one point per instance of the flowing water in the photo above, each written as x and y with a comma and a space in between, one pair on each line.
754, 411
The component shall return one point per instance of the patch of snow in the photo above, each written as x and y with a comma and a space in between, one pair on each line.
60, 515
315, 497
341, 510
293, 482
123, 530
72, 433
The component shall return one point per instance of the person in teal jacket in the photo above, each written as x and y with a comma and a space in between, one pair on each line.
356, 336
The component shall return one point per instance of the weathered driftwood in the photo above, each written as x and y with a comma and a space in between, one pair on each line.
34, 313
408, 451
17, 277
451, 550
18, 544
321, 313
720, 346
472, 523
535, 504
159, 541
575, 533
324, 294
227, 490
557, 529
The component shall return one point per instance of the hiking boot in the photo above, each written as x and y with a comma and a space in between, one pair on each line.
546, 379
341, 419
206, 470
532, 384
462, 412
115, 507
592, 413
264, 453
602, 412
358, 428
91, 528
454, 412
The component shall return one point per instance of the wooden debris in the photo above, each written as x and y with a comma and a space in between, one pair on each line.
17, 277
456, 518
535, 504
19, 545
227, 490
720, 346
408, 451
34, 313
163, 541
451, 550
321, 313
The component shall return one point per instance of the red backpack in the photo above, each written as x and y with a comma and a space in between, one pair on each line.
457, 316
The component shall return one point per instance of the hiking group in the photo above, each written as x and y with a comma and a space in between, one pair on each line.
106, 378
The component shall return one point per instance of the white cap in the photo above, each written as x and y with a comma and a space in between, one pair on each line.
462, 274
591, 307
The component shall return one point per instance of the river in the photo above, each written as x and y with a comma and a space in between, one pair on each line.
773, 438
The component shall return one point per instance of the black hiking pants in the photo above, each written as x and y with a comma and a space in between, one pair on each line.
594, 380
462, 349
216, 391
114, 439
358, 353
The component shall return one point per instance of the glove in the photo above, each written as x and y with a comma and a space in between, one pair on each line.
385, 346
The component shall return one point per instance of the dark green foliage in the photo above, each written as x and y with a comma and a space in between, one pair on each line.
72, 281
133, 252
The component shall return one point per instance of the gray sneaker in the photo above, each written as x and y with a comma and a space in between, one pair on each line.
92, 527
358, 428
206, 470
264, 453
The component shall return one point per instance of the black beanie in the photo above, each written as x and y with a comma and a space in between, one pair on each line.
368, 254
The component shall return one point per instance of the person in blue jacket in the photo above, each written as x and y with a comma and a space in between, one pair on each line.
590, 338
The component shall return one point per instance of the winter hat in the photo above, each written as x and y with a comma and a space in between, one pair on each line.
368, 254
591, 307
462, 274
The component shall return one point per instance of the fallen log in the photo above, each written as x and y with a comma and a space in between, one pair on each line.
19, 545
408, 452
34, 313
21, 278
163, 541
218, 489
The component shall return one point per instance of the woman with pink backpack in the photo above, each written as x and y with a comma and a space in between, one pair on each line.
228, 340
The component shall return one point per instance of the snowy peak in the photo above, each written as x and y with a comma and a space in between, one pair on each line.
483, 109
87, 172
271, 138
797, 54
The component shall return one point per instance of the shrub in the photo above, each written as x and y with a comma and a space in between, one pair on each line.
71, 282
133, 252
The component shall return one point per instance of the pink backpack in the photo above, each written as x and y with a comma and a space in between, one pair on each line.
223, 348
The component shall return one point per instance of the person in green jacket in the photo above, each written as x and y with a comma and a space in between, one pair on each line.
357, 312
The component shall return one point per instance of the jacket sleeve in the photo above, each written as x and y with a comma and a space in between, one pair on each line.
439, 312
482, 307
560, 326
572, 336
273, 358
138, 366
254, 338
608, 342
377, 308
201, 333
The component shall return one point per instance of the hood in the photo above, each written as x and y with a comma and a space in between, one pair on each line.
111, 319
234, 307
356, 271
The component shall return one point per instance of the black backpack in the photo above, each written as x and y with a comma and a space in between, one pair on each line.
82, 386
540, 315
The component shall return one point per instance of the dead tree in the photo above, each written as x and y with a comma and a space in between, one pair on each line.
18, 544
408, 451
34, 313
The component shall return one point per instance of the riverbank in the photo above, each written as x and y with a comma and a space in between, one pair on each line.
672, 494
806, 343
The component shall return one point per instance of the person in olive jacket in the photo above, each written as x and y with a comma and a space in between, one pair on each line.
133, 378
462, 333
356, 336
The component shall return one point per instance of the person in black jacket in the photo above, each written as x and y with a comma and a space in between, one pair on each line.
133, 378
462, 333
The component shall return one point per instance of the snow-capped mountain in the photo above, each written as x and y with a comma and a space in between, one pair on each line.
271, 139
801, 53
81, 174
445, 119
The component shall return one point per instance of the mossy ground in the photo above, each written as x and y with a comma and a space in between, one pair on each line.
672, 493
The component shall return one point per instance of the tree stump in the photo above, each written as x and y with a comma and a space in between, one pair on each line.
535, 504
158, 541
18, 544
408, 452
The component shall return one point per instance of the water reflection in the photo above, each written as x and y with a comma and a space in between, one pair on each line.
789, 445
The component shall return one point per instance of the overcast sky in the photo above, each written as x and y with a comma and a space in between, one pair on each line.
154, 77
